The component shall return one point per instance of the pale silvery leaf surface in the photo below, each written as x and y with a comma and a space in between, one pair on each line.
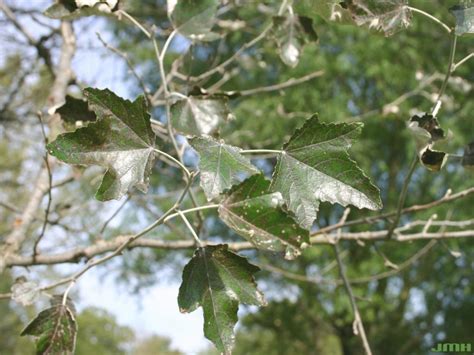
218, 280
464, 14
315, 166
73, 9
200, 114
193, 18
221, 166
25, 292
258, 215
55, 329
292, 33
121, 140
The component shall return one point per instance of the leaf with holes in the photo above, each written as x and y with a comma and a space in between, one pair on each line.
194, 18
218, 280
257, 214
464, 14
387, 16
200, 114
315, 166
292, 32
221, 165
55, 329
121, 140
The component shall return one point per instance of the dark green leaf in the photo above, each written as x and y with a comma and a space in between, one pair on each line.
193, 18
433, 160
201, 114
68, 9
221, 165
315, 166
388, 16
468, 157
121, 140
292, 33
464, 14
217, 280
257, 214
75, 110
56, 329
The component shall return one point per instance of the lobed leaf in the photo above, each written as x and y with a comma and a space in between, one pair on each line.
217, 280
315, 166
200, 114
221, 165
56, 330
121, 140
257, 214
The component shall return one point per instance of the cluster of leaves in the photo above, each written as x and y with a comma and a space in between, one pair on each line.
313, 166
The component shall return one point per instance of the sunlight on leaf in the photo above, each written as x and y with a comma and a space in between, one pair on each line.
257, 214
121, 140
221, 166
200, 114
315, 167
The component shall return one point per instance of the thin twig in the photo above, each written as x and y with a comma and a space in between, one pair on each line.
116, 212
191, 229
462, 61
403, 195
431, 17
358, 324
50, 184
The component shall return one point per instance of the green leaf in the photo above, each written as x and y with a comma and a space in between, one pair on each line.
464, 14
193, 18
433, 160
200, 114
468, 157
68, 9
121, 140
315, 166
388, 16
292, 33
75, 111
221, 165
56, 329
217, 280
257, 214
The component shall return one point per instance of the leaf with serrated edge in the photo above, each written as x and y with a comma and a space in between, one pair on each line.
200, 114
56, 329
193, 18
315, 166
255, 213
221, 165
121, 140
68, 10
464, 14
217, 280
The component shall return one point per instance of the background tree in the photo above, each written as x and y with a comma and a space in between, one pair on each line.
352, 75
